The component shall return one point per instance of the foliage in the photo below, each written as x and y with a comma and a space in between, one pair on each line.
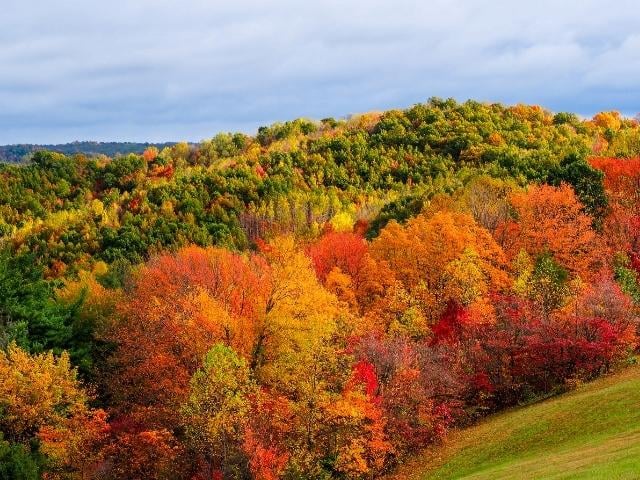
44, 407
315, 301
217, 407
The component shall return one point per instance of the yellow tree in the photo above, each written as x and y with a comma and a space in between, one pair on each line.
427, 254
355, 424
41, 397
36, 391
299, 314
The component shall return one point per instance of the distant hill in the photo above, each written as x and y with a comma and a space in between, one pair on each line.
21, 152
591, 433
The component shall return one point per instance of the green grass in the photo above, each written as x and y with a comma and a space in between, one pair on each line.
590, 433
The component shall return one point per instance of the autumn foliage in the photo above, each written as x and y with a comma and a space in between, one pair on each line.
552, 220
318, 301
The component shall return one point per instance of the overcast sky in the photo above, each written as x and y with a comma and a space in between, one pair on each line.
161, 70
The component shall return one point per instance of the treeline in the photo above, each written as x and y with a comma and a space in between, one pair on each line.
21, 153
318, 301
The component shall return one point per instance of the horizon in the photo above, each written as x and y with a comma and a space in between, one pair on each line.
253, 132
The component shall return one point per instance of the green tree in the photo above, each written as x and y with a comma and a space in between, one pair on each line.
17, 463
28, 315
587, 182
216, 411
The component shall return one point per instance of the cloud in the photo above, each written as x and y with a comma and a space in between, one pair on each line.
169, 70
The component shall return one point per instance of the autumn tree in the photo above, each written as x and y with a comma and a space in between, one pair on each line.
270, 424
432, 255
355, 423
215, 413
622, 182
92, 309
178, 308
338, 250
134, 451
43, 402
551, 219
414, 388
271, 309
549, 285
486, 199
299, 315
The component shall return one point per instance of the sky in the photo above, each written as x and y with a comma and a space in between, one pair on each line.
160, 70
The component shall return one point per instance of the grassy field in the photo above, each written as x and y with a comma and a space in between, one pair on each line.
590, 433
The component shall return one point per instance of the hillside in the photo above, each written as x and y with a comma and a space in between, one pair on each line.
590, 433
323, 299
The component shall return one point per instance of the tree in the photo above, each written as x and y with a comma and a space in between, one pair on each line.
299, 316
417, 388
145, 454
551, 219
604, 298
37, 391
587, 183
271, 309
355, 423
421, 254
28, 314
486, 199
158, 349
43, 402
626, 277
91, 309
75, 449
549, 285
338, 249
270, 425
17, 463
622, 183
215, 413
178, 308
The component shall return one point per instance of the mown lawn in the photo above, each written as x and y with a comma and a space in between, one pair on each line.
590, 433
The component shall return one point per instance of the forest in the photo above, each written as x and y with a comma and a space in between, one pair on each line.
321, 300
